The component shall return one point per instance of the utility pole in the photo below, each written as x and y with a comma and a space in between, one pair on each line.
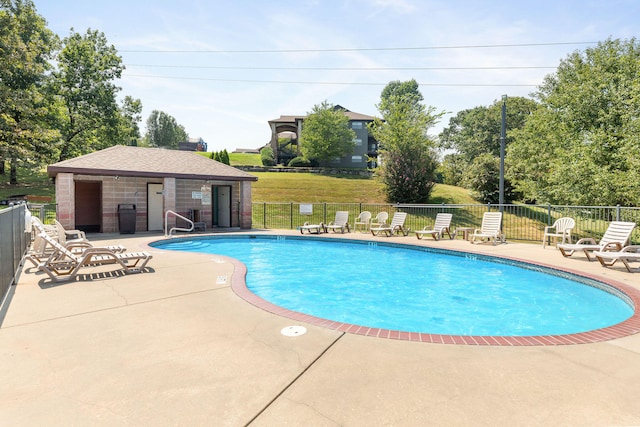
503, 137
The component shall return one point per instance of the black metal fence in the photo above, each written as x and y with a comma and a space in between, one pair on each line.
45, 212
520, 222
14, 242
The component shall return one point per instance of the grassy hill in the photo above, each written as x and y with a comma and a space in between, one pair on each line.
314, 188
270, 187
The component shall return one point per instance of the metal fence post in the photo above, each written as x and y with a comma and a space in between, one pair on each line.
617, 212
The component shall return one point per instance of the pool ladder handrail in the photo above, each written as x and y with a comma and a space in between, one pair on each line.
177, 215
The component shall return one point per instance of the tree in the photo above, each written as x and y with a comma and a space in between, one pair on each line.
221, 156
476, 131
406, 152
582, 145
87, 67
408, 90
124, 129
452, 169
224, 157
326, 133
164, 131
482, 176
26, 47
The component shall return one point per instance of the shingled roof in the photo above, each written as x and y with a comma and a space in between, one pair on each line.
149, 162
350, 114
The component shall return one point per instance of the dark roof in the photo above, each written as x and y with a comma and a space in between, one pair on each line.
287, 119
352, 116
149, 162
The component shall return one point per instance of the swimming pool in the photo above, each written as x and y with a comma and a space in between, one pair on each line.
413, 289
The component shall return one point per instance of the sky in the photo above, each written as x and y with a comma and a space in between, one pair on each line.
223, 69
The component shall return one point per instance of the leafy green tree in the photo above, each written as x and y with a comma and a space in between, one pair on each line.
408, 90
406, 152
452, 169
124, 130
476, 131
26, 49
582, 145
483, 178
326, 133
83, 82
164, 131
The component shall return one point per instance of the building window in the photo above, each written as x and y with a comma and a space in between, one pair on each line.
356, 159
335, 160
358, 142
356, 125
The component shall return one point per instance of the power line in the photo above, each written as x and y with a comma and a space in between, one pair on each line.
373, 49
328, 83
215, 67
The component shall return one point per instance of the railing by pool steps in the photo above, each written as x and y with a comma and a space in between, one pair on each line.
177, 215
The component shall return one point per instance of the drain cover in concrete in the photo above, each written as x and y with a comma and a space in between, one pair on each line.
293, 331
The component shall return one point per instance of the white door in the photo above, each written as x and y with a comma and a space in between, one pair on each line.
224, 206
155, 204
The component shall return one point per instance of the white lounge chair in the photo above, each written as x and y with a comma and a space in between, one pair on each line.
614, 239
490, 228
41, 250
560, 229
442, 225
65, 236
341, 222
64, 265
363, 220
396, 226
380, 218
313, 228
625, 255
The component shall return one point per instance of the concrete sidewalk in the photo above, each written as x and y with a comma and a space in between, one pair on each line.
175, 346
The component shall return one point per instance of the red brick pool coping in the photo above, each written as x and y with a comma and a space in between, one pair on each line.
627, 327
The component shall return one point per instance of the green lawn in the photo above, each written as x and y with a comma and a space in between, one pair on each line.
270, 187
314, 188
240, 159
244, 159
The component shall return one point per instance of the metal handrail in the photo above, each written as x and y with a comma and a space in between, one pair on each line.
176, 214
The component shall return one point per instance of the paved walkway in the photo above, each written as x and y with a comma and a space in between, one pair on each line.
175, 346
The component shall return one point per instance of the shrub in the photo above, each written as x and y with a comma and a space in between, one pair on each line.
267, 157
299, 162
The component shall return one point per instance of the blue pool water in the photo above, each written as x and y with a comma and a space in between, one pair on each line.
413, 289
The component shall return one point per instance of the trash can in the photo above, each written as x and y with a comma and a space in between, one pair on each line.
127, 219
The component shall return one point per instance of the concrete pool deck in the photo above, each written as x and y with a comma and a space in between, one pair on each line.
176, 346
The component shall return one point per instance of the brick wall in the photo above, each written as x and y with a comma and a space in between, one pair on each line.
178, 196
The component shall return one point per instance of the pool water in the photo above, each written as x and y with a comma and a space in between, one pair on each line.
414, 289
